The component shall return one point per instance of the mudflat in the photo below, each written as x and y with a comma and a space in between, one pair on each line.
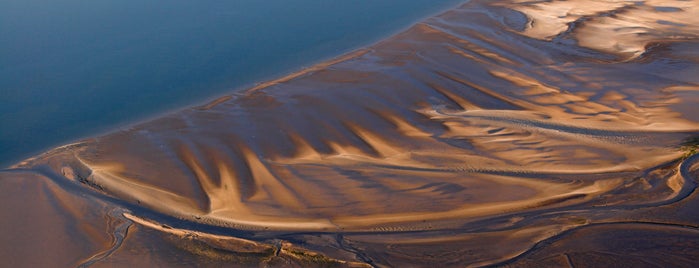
502, 133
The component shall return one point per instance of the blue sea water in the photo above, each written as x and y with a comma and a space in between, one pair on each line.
74, 68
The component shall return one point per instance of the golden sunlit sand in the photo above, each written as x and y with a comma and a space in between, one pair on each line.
503, 133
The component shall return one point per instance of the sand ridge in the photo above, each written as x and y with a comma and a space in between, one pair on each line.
466, 140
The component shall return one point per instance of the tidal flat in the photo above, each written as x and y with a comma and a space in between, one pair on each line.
498, 133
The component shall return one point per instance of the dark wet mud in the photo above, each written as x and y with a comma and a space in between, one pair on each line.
504, 133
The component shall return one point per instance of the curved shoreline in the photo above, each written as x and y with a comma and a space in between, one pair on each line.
69, 114
461, 137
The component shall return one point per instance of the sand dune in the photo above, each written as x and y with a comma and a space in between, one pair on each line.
497, 133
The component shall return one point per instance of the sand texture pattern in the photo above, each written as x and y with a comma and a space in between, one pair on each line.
506, 133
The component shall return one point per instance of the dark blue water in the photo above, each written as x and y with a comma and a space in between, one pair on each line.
74, 68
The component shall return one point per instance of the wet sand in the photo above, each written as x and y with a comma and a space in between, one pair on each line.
502, 133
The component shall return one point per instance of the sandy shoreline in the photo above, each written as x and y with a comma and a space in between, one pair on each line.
485, 135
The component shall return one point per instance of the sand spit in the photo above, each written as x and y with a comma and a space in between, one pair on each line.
498, 133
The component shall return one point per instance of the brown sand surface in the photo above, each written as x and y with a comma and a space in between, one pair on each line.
513, 133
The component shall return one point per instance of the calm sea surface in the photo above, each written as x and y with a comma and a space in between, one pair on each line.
70, 69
